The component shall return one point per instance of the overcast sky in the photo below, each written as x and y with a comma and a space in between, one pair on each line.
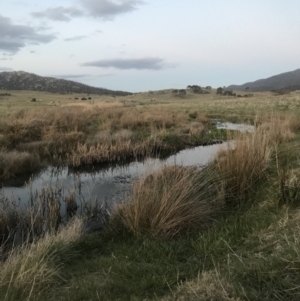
140, 45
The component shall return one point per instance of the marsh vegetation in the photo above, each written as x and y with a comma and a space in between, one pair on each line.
228, 231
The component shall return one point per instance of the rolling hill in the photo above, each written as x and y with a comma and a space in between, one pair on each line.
20, 80
288, 80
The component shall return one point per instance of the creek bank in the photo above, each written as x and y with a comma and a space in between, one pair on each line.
33, 158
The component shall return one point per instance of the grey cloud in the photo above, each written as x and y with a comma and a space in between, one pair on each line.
11, 45
107, 9
32, 51
59, 13
69, 76
14, 37
76, 38
42, 28
105, 75
144, 63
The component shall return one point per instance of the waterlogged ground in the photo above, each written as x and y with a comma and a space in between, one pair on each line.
110, 184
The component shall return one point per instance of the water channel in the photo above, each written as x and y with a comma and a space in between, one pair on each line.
113, 183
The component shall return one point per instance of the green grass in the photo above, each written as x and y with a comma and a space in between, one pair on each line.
113, 267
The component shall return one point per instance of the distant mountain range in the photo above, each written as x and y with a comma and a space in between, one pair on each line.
20, 80
284, 81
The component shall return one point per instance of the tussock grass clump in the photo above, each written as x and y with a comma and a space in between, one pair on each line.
280, 127
32, 269
18, 130
196, 128
171, 201
14, 162
119, 150
245, 163
251, 155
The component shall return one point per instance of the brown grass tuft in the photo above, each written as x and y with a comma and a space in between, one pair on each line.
14, 162
171, 201
29, 271
247, 161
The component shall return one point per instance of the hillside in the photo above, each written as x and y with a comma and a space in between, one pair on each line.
276, 82
20, 80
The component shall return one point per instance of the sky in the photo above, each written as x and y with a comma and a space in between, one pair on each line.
141, 45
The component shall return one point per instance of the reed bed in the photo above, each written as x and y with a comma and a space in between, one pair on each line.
13, 163
79, 135
48, 210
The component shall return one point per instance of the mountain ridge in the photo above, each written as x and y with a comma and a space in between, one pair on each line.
21, 80
275, 82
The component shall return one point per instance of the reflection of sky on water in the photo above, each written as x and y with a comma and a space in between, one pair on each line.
235, 126
112, 183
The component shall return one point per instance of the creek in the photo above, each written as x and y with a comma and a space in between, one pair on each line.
112, 183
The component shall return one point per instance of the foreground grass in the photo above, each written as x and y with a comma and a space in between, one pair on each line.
29, 271
113, 267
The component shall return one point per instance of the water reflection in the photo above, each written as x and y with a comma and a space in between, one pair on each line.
112, 183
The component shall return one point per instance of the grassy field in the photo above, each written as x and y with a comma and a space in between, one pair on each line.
65, 130
227, 232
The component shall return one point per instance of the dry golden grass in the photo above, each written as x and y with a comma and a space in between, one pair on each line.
86, 132
100, 105
207, 103
14, 162
250, 158
79, 133
171, 201
32, 269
